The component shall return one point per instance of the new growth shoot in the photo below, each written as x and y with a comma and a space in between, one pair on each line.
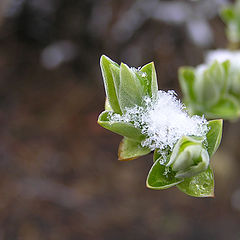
153, 120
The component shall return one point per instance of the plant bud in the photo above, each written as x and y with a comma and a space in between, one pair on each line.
189, 157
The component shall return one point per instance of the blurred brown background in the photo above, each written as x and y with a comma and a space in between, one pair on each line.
59, 174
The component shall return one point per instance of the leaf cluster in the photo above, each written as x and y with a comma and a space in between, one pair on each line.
187, 165
210, 90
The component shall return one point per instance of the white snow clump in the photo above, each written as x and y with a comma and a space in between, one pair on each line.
222, 55
163, 121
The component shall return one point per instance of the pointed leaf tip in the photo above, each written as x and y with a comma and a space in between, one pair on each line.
150, 79
186, 77
124, 129
106, 59
130, 89
159, 177
130, 150
214, 135
111, 80
201, 185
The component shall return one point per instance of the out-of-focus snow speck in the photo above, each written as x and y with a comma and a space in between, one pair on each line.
222, 55
15, 6
173, 12
57, 53
9, 8
200, 32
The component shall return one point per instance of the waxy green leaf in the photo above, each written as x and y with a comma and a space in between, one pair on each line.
130, 149
186, 78
151, 79
115, 70
214, 135
211, 83
124, 129
110, 71
156, 155
227, 14
131, 91
160, 177
201, 185
160, 153
107, 105
227, 108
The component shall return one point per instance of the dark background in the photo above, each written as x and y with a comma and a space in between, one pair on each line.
59, 174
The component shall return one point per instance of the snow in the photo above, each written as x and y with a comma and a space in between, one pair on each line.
222, 55
163, 121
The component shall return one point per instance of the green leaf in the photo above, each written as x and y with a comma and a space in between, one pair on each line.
234, 83
130, 91
226, 66
214, 135
115, 70
130, 149
213, 84
156, 155
121, 128
107, 105
159, 154
109, 71
201, 185
151, 77
227, 14
186, 78
160, 178
218, 73
226, 108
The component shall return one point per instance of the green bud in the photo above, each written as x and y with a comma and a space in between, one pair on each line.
189, 157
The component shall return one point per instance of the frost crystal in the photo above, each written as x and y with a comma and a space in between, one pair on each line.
163, 121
